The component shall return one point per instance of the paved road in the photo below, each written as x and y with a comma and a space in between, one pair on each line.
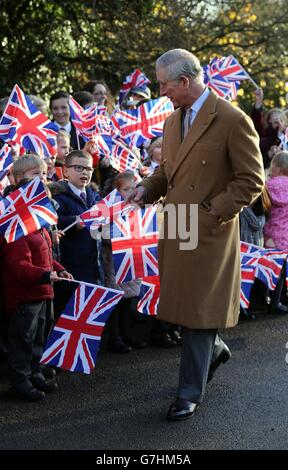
123, 404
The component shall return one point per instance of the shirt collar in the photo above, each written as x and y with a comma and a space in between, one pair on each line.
76, 190
67, 127
200, 101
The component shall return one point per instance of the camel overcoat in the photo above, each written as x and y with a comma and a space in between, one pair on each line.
218, 161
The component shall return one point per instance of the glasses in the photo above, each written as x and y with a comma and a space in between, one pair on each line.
80, 168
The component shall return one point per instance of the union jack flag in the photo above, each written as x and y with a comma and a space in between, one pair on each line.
149, 296
74, 341
268, 263
145, 122
104, 211
6, 160
134, 240
247, 280
135, 79
26, 210
122, 158
231, 70
90, 121
223, 75
22, 123
269, 268
249, 248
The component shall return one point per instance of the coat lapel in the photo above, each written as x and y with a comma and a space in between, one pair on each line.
203, 120
174, 131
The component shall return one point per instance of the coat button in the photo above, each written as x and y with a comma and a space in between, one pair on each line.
203, 162
170, 186
192, 187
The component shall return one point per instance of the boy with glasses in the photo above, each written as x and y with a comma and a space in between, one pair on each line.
81, 252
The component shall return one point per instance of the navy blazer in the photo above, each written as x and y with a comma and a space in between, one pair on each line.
79, 252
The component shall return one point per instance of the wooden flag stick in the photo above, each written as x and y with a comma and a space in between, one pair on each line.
71, 225
75, 280
250, 78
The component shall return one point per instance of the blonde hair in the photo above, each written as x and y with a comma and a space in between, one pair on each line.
63, 135
25, 163
156, 143
281, 161
278, 111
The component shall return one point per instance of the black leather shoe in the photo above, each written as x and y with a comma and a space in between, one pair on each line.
280, 308
135, 344
46, 386
222, 357
175, 336
48, 372
29, 394
120, 348
163, 341
181, 410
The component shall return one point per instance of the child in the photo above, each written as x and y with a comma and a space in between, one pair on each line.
79, 252
154, 157
63, 148
276, 227
59, 106
28, 271
120, 341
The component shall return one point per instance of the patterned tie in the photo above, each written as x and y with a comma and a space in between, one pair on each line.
83, 196
187, 121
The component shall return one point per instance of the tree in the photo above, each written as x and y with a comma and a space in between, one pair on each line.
61, 44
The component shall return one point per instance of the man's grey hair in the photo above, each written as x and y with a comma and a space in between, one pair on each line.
179, 62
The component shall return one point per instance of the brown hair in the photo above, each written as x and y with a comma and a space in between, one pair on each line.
76, 154
90, 86
125, 176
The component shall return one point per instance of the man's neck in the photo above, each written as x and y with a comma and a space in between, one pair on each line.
195, 92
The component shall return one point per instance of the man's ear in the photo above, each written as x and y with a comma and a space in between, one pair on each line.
185, 81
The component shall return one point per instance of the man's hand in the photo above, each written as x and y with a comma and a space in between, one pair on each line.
138, 196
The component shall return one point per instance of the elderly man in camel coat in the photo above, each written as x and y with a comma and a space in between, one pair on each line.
210, 157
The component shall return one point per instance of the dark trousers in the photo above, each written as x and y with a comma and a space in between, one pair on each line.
118, 322
25, 340
279, 289
199, 349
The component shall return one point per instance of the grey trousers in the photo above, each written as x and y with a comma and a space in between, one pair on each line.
25, 341
199, 349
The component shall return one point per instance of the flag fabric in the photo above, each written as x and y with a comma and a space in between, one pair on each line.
134, 239
135, 79
103, 145
104, 211
247, 281
23, 124
143, 123
223, 75
123, 158
26, 210
6, 160
268, 263
149, 295
269, 268
90, 121
74, 341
